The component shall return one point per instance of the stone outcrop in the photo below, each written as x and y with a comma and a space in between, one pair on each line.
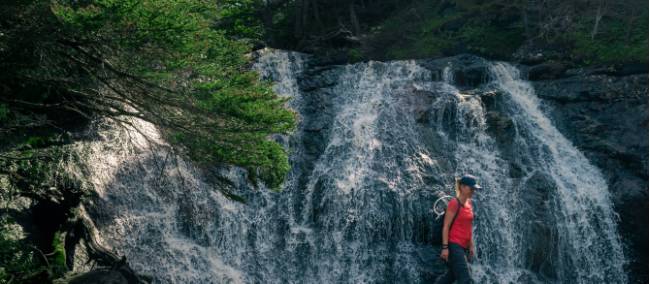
606, 117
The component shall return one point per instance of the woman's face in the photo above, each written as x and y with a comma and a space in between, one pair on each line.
466, 190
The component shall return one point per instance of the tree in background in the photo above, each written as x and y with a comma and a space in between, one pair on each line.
175, 64
582, 32
160, 61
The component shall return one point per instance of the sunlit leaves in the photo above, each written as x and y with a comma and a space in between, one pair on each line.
227, 114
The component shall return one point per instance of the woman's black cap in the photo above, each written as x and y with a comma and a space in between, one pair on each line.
470, 181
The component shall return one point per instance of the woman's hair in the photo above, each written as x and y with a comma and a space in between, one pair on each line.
457, 186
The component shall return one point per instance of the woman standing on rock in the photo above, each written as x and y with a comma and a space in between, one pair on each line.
457, 242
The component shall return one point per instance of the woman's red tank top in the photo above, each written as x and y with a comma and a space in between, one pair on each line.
461, 229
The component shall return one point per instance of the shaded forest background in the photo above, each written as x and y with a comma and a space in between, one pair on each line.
582, 32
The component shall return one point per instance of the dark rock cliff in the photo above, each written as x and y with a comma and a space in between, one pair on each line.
606, 117
604, 112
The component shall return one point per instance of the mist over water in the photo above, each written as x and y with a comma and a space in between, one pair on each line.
375, 145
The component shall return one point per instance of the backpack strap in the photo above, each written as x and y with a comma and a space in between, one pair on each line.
455, 215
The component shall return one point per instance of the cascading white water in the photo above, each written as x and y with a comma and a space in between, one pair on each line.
358, 198
475, 151
587, 239
138, 211
374, 144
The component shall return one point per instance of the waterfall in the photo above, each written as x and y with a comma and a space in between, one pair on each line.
376, 144
148, 202
475, 151
587, 241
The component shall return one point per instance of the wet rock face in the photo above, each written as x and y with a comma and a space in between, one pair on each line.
377, 143
119, 274
546, 71
467, 71
434, 114
604, 112
607, 118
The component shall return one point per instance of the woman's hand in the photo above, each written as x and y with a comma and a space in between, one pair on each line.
444, 254
471, 253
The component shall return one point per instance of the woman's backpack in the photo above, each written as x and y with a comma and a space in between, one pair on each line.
438, 234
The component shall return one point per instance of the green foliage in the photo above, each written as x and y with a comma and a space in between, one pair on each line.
18, 262
31, 177
241, 19
179, 64
4, 112
35, 141
497, 28
355, 55
57, 257
154, 38
424, 31
165, 62
491, 40
616, 42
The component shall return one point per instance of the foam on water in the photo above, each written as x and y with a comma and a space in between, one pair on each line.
356, 206
587, 237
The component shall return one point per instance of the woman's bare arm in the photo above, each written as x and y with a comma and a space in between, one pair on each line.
471, 248
449, 215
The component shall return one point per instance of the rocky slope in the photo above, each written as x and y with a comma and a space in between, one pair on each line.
376, 145
374, 139
606, 117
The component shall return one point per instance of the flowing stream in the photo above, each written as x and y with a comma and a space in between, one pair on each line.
376, 144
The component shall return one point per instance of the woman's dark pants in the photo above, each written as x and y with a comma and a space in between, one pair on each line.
457, 268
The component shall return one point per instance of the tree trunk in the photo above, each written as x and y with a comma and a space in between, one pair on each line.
321, 27
298, 27
305, 16
353, 18
524, 18
599, 16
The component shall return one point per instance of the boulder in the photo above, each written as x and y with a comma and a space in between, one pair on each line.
546, 71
